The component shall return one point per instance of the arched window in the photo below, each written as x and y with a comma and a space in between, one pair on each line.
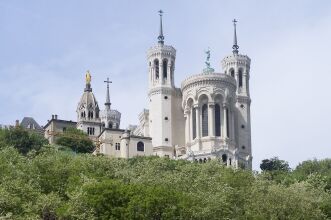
204, 115
96, 114
157, 70
110, 125
232, 72
81, 114
84, 114
217, 120
240, 78
140, 146
165, 68
224, 158
194, 123
227, 123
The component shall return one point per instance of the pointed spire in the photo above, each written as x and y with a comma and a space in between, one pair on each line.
107, 103
235, 46
161, 37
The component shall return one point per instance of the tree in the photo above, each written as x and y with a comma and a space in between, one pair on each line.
274, 164
77, 140
22, 140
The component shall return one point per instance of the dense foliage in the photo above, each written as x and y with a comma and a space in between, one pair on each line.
21, 139
57, 184
76, 140
274, 164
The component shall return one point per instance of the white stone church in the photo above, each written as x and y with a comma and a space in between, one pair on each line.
208, 117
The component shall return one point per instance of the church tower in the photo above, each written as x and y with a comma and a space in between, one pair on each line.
88, 119
163, 97
110, 118
238, 67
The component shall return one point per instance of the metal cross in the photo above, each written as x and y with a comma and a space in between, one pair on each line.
234, 22
107, 81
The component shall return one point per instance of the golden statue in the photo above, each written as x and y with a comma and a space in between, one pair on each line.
88, 77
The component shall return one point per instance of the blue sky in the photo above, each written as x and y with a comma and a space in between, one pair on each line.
46, 47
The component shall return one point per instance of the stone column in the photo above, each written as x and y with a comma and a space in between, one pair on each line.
232, 127
198, 126
187, 125
236, 73
211, 119
161, 72
169, 72
225, 117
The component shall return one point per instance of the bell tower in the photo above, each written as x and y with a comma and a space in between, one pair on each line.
161, 62
238, 67
162, 95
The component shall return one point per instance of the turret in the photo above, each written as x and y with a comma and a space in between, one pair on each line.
164, 105
110, 118
161, 60
88, 110
238, 67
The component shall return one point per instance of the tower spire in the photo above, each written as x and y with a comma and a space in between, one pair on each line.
107, 103
235, 46
161, 37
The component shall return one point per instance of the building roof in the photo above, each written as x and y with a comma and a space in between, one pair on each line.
30, 123
58, 120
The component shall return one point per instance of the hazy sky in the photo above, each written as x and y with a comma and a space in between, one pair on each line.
46, 47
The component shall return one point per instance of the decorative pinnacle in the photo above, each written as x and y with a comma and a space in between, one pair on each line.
107, 103
161, 37
235, 46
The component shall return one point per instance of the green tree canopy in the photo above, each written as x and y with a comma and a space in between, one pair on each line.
77, 140
21, 139
274, 164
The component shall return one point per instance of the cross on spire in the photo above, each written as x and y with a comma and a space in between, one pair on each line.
161, 37
235, 46
107, 103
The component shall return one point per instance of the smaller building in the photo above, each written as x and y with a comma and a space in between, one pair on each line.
55, 126
121, 143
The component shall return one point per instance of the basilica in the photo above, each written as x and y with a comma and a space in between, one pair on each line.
207, 117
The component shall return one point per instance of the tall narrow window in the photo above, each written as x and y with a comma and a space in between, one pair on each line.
157, 70
224, 158
165, 69
194, 124
217, 120
204, 120
240, 78
140, 146
227, 123
232, 72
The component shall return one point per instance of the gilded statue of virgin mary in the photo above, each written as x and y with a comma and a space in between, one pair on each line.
88, 77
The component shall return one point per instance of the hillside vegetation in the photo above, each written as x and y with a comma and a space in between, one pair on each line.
48, 183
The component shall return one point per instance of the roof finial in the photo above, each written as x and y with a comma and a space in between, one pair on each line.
107, 103
235, 46
208, 69
88, 81
161, 37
